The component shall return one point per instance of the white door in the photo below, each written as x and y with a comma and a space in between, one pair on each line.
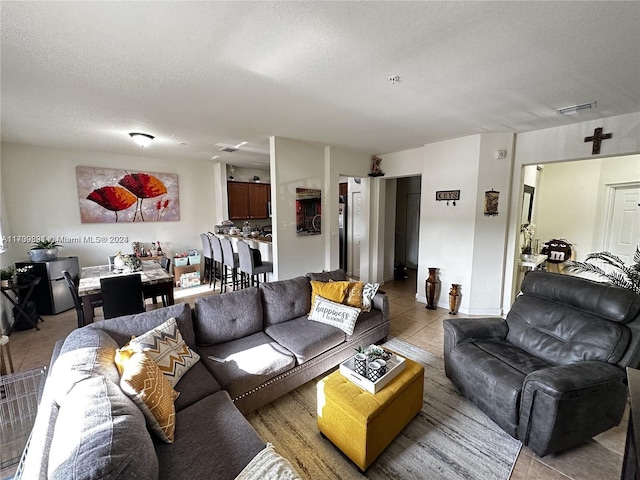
413, 229
624, 223
356, 229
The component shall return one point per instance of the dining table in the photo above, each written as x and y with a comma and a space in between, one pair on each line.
155, 281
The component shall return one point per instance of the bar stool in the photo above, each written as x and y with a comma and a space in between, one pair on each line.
218, 257
6, 364
229, 261
248, 265
208, 257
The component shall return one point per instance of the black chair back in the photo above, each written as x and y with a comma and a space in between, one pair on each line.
72, 283
165, 262
122, 295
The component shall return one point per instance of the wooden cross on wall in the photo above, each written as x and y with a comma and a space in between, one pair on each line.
597, 138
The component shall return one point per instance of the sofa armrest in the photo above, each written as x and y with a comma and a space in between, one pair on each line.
381, 302
565, 405
463, 330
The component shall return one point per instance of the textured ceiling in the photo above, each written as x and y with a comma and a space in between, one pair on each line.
211, 74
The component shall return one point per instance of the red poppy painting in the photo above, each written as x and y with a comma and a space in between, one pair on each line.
110, 195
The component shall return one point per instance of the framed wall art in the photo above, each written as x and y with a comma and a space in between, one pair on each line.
109, 195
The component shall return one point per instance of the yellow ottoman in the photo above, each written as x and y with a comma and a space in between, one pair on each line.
362, 424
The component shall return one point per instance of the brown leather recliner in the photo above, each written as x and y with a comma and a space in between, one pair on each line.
552, 374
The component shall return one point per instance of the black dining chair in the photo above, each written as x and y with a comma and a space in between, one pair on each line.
151, 292
122, 295
77, 301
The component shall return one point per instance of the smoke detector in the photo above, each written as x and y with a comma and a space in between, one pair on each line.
394, 79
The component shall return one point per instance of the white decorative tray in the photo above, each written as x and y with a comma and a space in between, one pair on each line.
395, 365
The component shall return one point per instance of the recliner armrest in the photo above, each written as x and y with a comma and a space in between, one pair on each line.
574, 380
462, 330
565, 405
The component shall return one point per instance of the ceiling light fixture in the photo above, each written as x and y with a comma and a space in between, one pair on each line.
142, 139
572, 110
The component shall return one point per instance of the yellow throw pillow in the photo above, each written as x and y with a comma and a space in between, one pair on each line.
353, 297
150, 390
334, 291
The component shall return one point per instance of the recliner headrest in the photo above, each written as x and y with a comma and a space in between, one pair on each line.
613, 303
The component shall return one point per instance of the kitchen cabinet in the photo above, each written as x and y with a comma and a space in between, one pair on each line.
248, 200
52, 294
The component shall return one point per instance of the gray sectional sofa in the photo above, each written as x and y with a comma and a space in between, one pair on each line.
255, 345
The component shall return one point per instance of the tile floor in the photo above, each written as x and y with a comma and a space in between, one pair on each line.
598, 459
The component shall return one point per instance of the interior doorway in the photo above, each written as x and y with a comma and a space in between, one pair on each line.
622, 228
407, 227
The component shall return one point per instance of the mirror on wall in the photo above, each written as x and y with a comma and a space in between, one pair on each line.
308, 211
527, 204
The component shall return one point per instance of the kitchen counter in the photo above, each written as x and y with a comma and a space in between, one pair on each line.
241, 237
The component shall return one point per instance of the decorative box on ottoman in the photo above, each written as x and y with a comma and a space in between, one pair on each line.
362, 424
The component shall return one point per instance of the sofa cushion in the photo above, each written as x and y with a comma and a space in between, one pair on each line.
338, 315
165, 346
285, 299
242, 364
561, 335
212, 441
85, 353
194, 385
100, 433
366, 321
143, 381
220, 318
305, 338
335, 275
122, 328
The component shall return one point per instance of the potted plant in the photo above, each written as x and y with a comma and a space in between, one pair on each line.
617, 273
44, 251
6, 274
527, 230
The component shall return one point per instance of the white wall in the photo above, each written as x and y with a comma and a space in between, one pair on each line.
39, 186
573, 199
559, 144
295, 164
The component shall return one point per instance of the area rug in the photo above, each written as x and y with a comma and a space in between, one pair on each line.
450, 439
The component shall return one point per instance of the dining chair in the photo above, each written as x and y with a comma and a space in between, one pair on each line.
216, 248
165, 263
110, 258
208, 257
122, 295
229, 261
248, 264
77, 301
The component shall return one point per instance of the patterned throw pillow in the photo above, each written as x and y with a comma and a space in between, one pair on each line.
368, 292
150, 390
334, 291
336, 314
165, 345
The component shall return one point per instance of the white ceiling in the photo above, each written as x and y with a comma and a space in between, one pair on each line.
82, 75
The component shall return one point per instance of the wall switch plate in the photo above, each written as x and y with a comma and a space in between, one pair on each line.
501, 154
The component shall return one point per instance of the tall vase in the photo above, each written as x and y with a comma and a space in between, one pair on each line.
431, 285
454, 298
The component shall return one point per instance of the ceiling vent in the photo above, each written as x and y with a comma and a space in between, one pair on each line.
228, 149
